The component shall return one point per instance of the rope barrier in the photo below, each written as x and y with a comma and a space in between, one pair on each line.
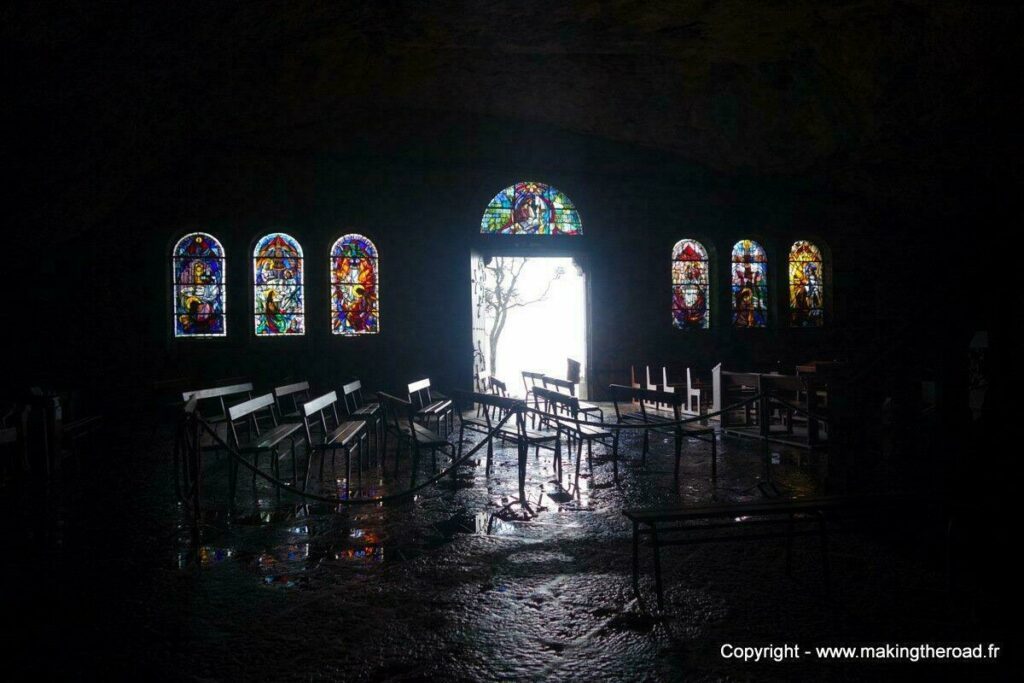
349, 501
494, 431
649, 425
797, 409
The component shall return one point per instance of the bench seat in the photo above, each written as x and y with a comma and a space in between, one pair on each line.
344, 434
368, 410
423, 436
435, 408
270, 438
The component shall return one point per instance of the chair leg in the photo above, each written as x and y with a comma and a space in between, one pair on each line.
714, 456
678, 454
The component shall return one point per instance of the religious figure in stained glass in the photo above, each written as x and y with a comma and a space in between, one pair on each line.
278, 296
355, 308
197, 265
806, 285
749, 285
690, 306
530, 208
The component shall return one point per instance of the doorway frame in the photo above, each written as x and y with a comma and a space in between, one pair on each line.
488, 246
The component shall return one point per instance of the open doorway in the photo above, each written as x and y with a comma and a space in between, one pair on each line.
530, 313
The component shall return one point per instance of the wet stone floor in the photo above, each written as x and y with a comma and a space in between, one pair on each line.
450, 585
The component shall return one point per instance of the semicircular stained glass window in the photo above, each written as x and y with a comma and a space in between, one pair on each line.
806, 285
690, 306
749, 285
199, 297
278, 286
355, 287
530, 208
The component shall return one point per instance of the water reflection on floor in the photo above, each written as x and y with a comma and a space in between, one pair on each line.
457, 583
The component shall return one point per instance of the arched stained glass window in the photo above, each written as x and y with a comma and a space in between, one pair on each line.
806, 285
355, 308
278, 297
199, 298
749, 285
530, 208
690, 306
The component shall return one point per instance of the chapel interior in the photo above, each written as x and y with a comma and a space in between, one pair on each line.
510, 341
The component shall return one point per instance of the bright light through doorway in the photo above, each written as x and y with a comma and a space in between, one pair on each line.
541, 336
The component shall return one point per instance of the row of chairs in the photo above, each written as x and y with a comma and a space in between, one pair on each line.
290, 413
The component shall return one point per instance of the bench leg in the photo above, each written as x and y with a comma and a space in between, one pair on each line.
657, 566
679, 455
789, 546
825, 568
348, 469
524, 451
714, 456
295, 466
636, 560
615, 456
579, 457
558, 458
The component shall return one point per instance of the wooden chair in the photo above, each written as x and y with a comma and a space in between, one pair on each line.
429, 406
531, 380
564, 386
290, 398
514, 430
245, 416
320, 417
219, 395
218, 416
357, 409
692, 395
623, 395
399, 418
564, 411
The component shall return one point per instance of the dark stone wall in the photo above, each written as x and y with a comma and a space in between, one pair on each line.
417, 186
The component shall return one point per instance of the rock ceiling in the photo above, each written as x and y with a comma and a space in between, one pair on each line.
771, 88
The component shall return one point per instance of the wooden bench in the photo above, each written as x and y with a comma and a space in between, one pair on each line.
324, 431
657, 419
368, 412
245, 417
220, 396
399, 418
494, 408
763, 520
428, 407
218, 417
568, 387
532, 380
290, 398
564, 412
728, 522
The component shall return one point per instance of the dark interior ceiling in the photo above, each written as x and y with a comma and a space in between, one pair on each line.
872, 99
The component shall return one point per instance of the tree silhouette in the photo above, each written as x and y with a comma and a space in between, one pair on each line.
500, 293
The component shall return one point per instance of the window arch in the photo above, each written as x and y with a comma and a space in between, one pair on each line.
198, 294
355, 286
531, 208
749, 285
806, 285
278, 296
690, 305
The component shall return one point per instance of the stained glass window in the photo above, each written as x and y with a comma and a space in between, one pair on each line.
806, 285
197, 265
690, 306
749, 285
531, 209
355, 308
278, 296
